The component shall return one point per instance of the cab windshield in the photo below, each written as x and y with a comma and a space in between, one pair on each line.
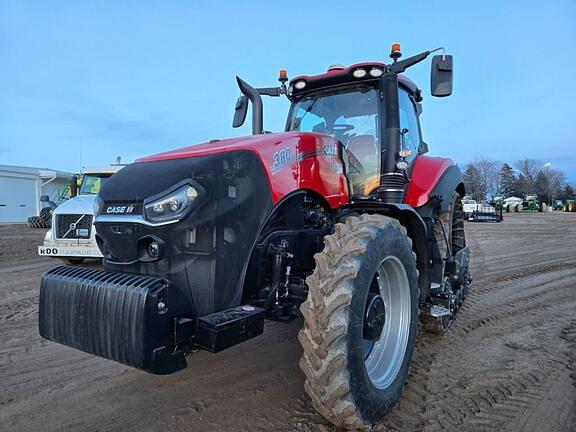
91, 183
350, 116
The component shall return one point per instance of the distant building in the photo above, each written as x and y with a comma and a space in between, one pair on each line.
513, 201
22, 187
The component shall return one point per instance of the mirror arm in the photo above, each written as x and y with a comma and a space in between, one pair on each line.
402, 65
270, 91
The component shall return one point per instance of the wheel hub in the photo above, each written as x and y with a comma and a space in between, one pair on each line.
374, 317
387, 321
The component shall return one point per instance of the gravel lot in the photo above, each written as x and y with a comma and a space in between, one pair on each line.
508, 363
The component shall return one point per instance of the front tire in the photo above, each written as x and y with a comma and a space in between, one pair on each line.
353, 377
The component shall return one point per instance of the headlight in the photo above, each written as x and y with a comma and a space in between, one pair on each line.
376, 72
172, 205
402, 165
299, 85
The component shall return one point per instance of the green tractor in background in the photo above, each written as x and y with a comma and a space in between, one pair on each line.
531, 204
498, 202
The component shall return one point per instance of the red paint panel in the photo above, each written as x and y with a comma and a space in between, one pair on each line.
293, 161
426, 173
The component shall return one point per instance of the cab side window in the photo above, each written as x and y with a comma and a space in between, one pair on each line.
409, 124
309, 121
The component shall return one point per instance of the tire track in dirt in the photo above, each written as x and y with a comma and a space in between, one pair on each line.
505, 365
494, 394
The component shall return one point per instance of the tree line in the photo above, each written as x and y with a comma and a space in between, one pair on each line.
485, 177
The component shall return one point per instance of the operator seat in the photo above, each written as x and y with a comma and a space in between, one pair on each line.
363, 150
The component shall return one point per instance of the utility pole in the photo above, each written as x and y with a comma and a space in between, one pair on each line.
547, 165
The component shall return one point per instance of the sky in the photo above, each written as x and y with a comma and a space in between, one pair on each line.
84, 82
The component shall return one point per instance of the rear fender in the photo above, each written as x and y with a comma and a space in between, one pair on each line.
433, 178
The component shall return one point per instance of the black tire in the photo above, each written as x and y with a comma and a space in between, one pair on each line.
333, 361
46, 217
75, 261
453, 220
34, 222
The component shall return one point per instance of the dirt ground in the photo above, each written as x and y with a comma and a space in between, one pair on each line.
508, 363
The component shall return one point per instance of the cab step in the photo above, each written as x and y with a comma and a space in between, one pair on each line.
438, 311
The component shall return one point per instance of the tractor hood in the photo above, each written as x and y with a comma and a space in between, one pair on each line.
264, 145
291, 161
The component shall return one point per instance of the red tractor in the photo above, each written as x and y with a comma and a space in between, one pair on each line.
341, 219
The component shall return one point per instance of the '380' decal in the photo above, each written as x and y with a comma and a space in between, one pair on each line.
281, 158
284, 156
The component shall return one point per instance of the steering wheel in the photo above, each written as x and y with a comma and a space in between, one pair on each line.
342, 128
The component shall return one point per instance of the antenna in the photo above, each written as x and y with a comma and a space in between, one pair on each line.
81, 148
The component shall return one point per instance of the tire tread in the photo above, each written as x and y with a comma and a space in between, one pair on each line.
324, 335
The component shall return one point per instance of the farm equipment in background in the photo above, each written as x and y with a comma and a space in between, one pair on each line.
570, 206
44, 220
341, 219
558, 205
531, 204
72, 234
483, 212
497, 202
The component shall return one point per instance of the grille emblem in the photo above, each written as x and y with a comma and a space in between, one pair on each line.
73, 226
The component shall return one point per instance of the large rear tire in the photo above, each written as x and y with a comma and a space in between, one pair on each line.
358, 348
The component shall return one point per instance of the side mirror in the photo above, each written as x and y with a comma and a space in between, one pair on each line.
441, 76
44, 198
73, 186
240, 111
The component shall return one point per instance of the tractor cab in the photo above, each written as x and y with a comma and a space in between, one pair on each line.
369, 109
351, 113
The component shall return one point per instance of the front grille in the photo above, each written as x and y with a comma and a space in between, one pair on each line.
73, 226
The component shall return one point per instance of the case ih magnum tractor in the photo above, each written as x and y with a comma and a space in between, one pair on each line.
342, 219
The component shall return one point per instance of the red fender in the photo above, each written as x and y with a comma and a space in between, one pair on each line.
426, 173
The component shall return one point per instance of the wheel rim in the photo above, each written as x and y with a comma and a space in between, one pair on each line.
384, 357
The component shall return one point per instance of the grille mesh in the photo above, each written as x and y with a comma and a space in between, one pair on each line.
73, 226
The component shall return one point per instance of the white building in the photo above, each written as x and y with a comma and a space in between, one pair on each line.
22, 187
513, 201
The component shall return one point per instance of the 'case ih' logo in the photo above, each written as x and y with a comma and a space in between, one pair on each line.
120, 209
